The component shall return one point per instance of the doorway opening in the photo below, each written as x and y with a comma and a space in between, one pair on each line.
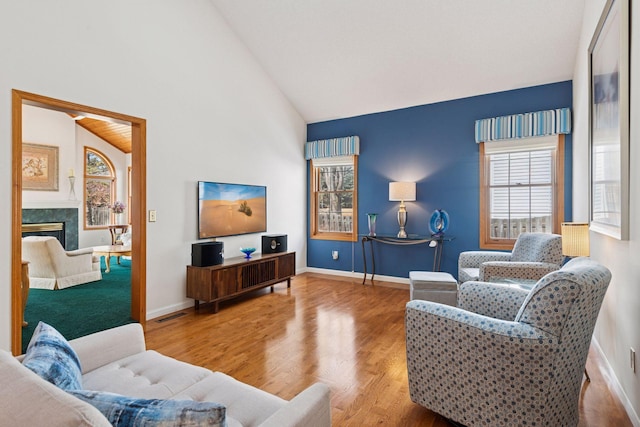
137, 205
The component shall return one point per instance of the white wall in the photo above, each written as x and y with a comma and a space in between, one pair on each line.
212, 114
618, 326
47, 127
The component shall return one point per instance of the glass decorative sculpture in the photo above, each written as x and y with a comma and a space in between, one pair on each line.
247, 252
371, 218
439, 222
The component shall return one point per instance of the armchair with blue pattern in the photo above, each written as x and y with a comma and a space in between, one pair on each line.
507, 356
533, 256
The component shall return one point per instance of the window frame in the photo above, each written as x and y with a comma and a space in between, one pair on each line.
486, 242
313, 191
86, 177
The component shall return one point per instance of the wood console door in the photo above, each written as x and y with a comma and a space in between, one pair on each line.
237, 276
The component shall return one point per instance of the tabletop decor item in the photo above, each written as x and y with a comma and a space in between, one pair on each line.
371, 220
247, 252
118, 209
402, 192
439, 222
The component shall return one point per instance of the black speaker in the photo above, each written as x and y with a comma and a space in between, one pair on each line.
206, 254
274, 243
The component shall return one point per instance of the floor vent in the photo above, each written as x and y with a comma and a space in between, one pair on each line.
173, 316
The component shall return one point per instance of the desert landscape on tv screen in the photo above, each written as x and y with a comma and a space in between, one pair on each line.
227, 209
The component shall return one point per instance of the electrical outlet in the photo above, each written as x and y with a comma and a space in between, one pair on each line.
334, 254
632, 359
152, 216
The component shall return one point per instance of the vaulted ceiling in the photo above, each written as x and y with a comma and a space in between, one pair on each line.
342, 58
116, 134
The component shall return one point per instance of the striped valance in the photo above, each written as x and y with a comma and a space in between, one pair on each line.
540, 123
347, 146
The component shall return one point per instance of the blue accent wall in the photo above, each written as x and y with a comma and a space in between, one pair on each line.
434, 146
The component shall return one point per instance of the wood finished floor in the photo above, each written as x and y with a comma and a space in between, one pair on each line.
336, 331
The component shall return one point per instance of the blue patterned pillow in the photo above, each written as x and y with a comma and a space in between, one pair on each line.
133, 412
51, 357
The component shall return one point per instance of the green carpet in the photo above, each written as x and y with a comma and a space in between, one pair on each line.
83, 309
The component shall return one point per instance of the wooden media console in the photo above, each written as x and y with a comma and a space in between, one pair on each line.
236, 276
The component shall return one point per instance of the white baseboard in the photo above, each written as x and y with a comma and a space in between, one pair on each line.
356, 275
615, 386
168, 309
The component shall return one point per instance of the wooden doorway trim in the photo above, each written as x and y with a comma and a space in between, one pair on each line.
138, 205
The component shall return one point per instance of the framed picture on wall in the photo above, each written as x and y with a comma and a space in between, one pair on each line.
609, 122
39, 167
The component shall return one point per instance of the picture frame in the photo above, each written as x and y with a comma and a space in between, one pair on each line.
609, 70
39, 167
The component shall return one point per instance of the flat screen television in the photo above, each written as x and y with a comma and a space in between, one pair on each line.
231, 209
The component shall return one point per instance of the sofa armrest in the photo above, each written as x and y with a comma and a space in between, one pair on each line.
80, 251
473, 259
67, 265
28, 400
526, 271
310, 408
496, 300
107, 346
426, 312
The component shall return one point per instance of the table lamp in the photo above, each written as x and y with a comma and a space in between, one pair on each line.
402, 192
575, 242
575, 239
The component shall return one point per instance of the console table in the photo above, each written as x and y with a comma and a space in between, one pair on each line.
236, 276
412, 239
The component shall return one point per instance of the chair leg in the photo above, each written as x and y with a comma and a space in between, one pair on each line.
586, 374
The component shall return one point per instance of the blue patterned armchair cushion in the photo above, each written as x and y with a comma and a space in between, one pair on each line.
534, 255
51, 357
469, 263
133, 412
561, 302
515, 272
481, 298
538, 247
474, 365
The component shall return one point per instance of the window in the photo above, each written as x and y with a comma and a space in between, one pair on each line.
334, 198
99, 189
521, 189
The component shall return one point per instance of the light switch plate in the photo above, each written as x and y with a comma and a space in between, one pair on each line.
152, 216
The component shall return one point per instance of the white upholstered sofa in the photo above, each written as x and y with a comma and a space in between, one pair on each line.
51, 267
116, 361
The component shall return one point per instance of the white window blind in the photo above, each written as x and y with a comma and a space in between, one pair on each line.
521, 182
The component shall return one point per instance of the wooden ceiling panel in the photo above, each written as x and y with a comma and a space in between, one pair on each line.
116, 134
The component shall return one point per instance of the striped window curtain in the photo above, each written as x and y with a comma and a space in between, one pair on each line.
335, 147
539, 123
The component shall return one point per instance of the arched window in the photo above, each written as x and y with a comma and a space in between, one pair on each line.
99, 189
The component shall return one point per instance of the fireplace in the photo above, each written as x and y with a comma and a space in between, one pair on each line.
54, 229
68, 217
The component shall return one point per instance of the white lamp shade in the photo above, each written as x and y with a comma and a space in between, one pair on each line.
575, 239
402, 191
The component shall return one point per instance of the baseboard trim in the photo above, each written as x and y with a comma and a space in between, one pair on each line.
615, 386
356, 275
168, 310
